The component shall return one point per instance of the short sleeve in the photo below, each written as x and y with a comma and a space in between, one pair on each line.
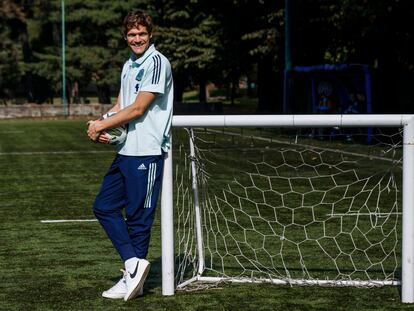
155, 76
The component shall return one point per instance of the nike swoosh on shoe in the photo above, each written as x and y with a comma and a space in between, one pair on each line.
135, 271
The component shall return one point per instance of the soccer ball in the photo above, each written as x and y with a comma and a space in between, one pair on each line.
117, 135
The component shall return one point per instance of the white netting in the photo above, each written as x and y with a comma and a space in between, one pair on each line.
290, 207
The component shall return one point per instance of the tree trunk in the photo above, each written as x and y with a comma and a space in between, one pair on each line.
26, 51
203, 94
104, 94
234, 87
75, 93
269, 91
68, 92
178, 88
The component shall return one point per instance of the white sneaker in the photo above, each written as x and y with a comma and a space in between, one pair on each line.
135, 280
119, 290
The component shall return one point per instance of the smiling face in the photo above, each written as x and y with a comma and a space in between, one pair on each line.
138, 39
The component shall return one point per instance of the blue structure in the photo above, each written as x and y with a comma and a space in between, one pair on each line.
327, 88
345, 80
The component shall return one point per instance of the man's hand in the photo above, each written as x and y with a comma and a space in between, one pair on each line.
93, 133
103, 139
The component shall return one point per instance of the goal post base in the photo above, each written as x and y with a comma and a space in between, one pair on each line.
300, 282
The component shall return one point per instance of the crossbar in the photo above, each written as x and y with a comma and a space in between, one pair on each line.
340, 120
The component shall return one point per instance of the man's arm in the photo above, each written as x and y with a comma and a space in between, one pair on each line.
115, 108
123, 116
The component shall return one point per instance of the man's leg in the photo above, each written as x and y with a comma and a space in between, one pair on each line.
107, 208
142, 182
142, 194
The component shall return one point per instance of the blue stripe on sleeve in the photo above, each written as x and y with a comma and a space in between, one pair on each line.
156, 72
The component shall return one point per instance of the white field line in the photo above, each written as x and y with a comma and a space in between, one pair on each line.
52, 221
308, 146
55, 152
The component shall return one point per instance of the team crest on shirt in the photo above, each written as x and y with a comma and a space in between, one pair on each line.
140, 75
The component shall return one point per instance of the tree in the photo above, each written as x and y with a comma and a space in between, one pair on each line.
186, 35
215, 40
10, 59
95, 47
264, 34
233, 51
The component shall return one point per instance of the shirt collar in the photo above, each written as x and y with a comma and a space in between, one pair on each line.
136, 62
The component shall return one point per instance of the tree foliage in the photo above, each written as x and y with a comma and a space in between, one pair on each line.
11, 15
206, 41
186, 35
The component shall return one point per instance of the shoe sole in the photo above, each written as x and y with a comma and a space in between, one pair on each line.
113, 296
140, 284
120, 295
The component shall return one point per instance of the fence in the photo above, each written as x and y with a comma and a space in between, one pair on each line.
49, 111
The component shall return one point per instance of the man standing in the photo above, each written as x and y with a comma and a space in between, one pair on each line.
134, 179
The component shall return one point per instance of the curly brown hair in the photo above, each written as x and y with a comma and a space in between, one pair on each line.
135, 18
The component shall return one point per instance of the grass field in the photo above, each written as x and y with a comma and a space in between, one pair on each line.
49, 170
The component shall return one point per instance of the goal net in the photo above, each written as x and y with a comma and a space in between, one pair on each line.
299, 206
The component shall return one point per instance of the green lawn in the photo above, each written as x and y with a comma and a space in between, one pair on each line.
50, 170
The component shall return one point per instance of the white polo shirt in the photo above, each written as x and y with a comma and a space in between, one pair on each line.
148, 134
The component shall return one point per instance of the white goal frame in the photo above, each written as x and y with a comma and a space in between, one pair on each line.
405, 121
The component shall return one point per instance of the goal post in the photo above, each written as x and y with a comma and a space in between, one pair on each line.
290, 121
407, 275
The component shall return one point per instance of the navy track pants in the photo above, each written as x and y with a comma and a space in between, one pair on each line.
132, 183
